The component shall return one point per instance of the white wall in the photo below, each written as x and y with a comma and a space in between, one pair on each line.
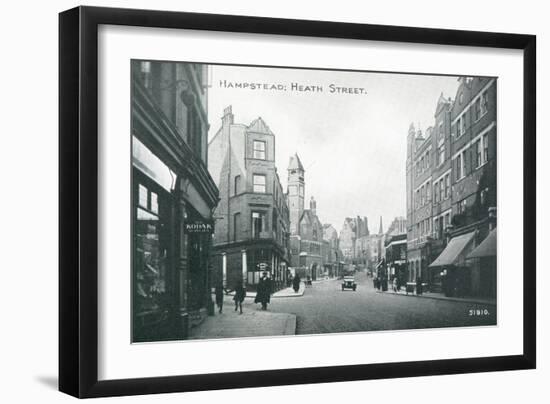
28, 295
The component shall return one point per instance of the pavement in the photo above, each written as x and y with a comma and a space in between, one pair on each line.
286, 292
441, 296
325, 308
253, 322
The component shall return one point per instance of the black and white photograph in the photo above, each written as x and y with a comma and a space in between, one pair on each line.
275, 202
278, 201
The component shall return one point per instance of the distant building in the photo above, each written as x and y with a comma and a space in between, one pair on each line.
397, 226
333, 257
353, 229
252, 227
375, 248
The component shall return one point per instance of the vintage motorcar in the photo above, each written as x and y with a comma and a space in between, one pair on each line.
349, 283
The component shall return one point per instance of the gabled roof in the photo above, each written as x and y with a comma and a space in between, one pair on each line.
259, 126
295, 163
311, 218
441, 102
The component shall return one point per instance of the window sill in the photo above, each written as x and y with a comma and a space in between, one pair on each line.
481, 165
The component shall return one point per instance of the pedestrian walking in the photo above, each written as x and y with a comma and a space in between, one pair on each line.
394, 284
418, 285
219, 298
263, 294
296, 283
240, 294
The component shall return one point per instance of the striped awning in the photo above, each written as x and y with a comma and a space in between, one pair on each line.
454, 250
487, 248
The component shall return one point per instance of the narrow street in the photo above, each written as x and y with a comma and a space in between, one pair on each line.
325, 308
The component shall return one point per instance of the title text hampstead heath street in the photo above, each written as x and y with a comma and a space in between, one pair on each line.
294, 87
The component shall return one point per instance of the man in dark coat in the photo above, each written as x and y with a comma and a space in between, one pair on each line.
263, 293
219, 297
418, 285
240, 294
296, 283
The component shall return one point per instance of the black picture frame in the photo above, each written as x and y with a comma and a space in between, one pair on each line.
78, 200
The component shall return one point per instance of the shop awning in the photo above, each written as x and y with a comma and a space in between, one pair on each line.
487, 248
453, 251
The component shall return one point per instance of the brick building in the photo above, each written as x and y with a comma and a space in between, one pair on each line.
451, 188
252, 217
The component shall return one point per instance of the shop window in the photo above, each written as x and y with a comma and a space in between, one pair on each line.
145, 70
143, 196
150, 262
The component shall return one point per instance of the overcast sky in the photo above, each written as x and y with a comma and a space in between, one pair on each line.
353, 146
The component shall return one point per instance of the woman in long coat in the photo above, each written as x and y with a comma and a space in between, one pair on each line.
296, 283
263, 293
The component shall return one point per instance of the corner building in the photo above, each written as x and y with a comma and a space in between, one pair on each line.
252, 218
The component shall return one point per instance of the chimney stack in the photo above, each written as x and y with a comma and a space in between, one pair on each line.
228, 117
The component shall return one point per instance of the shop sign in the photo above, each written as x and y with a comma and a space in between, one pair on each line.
198, 227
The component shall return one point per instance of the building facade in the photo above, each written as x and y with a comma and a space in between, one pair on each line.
353, 239
252, 217
311, 254
451, 188
313, 250
173, 196
395, 250
334, 257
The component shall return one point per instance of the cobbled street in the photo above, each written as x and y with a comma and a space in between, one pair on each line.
325, 308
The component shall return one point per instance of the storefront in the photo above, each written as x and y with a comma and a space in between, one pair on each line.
484, 258
451, 265
171, 188
245, 262
152, 258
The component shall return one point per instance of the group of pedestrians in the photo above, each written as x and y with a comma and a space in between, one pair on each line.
263, 294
